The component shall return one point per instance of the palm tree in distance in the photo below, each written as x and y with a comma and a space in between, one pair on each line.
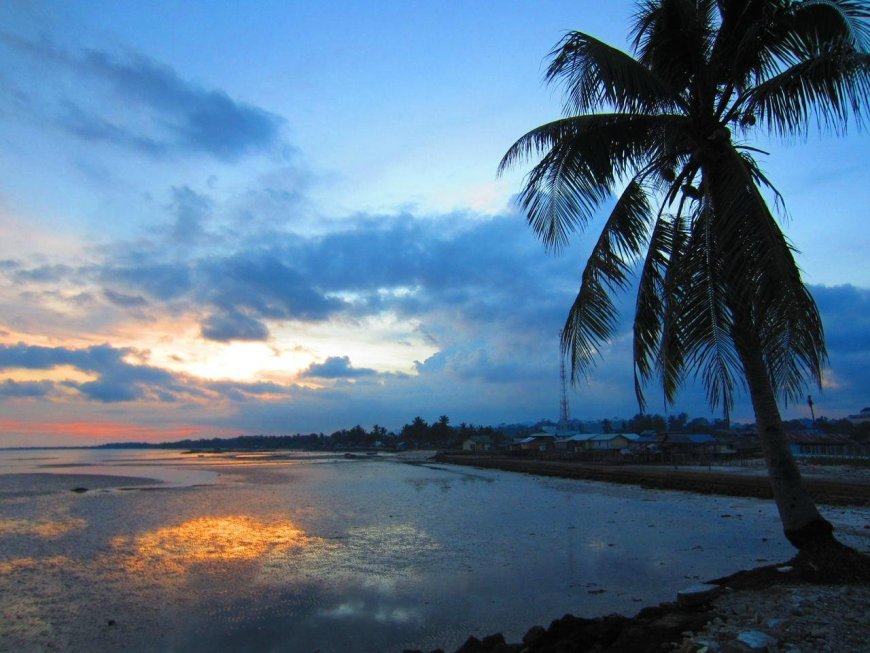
720, 297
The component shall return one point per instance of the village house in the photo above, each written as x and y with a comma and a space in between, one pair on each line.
612, 441
688, 443
809, 444
597, 442
573, 443
477, 443
535, 442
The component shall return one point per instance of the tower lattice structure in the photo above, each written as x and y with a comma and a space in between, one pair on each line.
563, 403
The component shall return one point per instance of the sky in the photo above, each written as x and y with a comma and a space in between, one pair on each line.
222, 218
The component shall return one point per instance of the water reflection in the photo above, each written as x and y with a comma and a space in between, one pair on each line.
23, 564
44, 528
359, 609
233, 538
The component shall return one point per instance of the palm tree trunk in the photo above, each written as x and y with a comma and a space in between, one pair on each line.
804, 527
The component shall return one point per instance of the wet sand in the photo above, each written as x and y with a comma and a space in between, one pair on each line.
31, 484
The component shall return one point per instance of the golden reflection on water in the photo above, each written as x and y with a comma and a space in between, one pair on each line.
43, 564
234, 538
45, 529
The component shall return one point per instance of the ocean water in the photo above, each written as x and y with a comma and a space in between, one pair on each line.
312, 553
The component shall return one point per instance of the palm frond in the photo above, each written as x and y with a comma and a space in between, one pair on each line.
820, 21
764, 282
652, 305
598, 75
674, 37
704, 315
672, 352
593, 316
762, 181
584, 158
747, 44
830, 88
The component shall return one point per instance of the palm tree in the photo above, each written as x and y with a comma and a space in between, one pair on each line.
719, 297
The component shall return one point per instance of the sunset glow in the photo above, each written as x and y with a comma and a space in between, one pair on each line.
225, 540
202, 241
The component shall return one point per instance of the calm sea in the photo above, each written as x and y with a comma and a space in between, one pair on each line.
305, 553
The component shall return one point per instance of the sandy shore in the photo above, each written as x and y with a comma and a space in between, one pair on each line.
831, 487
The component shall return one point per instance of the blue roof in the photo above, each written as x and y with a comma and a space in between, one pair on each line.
690, 438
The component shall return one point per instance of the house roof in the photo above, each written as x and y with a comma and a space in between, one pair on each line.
606, 437
599, 437
579, 437
688, 438
819, 438
537, 437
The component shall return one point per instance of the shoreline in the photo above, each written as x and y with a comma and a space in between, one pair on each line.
781, 607
829, 491
771, 608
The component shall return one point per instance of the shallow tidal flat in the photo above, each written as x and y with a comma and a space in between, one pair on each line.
347, 555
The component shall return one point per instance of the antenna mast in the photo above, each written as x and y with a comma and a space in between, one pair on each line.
563, 403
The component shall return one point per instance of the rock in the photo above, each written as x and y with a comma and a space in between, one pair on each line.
777, 624
490, 642
757, 640
535, 633
472, 645
698, 594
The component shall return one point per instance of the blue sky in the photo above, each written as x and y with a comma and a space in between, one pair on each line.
224, 217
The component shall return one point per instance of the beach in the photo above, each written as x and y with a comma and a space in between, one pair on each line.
828, 484
250, 552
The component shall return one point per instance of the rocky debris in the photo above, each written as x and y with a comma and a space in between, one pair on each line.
651, 630
765, 610
757, 640
698, 594
793, 618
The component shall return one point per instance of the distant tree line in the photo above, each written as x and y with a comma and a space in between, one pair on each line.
416, 435
441, 434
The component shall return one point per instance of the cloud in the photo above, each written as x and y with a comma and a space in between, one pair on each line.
336, 367
232, 325
124, 301
26, 389
162, 281
117, 379
845, 311
191, 210
44, 274
482, 293
265, 285
248, 392
135, 102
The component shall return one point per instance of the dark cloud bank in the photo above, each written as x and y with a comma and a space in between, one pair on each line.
484, 291
133, 102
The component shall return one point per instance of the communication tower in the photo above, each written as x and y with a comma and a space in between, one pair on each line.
563, 403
